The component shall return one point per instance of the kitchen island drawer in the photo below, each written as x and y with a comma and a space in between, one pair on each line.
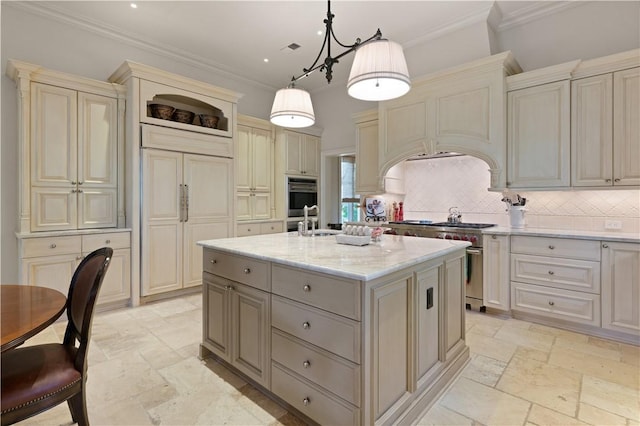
311, 400
51, 246
321, 367
560, 304
331, 332
570, 274
556, 247
340, 296
245, 270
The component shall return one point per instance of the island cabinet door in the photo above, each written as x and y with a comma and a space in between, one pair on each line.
454, 301
251, 332
428, 356
390, 316
217, 316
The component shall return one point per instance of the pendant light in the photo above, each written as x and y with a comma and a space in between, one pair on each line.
379, 72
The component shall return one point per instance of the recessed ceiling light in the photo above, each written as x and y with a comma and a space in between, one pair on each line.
134, 6
266, 60
319, 32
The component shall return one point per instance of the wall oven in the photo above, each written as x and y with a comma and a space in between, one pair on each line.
301, 192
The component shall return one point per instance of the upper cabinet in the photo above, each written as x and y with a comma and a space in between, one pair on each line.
538, 136
367, 181
301, 153
70, 150
626, 127
461, 110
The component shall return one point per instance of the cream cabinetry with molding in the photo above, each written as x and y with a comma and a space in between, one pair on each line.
367, 181
301, 153
621, 287
496, 293
246, 228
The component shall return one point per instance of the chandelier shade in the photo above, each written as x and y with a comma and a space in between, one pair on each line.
292, 108
379, 72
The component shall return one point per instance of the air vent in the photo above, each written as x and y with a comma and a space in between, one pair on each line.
290, 48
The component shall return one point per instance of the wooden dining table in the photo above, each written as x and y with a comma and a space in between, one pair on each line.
26, 310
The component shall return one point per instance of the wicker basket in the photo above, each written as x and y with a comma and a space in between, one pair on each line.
163, 112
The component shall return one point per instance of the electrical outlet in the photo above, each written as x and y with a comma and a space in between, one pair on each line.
612, 224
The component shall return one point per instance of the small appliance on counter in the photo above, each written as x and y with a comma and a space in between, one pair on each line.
374, 210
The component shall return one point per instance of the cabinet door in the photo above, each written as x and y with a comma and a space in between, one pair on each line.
311, 156
54, 136
53, 209
390, 345
97, 207
50, 271
626, 127
244, 207
251, 328
427, 324
495, 269
161, 248
117, 282
454, 326
592, 131
539, 136
367, 157
206, 183
244, 159
217, 316
261, 160
261, 205
293, 152
620, 287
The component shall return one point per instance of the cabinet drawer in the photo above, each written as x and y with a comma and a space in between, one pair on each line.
556, 247
311, 400
271, 227
336, 295
51, 246
565, 305
321, 367
580, 275
331, 332
115, 240
245, 270
244, 230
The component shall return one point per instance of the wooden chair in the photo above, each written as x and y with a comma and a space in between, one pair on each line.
37, 378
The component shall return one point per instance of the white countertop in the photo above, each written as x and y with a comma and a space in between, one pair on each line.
323, 254
565, 233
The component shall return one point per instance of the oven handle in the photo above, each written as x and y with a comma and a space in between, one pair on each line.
474, 251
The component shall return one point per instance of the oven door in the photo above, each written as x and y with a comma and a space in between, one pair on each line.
301, 192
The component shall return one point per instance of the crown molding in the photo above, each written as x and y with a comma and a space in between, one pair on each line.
535, 11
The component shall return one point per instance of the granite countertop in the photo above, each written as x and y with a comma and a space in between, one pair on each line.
323, 254
629, 237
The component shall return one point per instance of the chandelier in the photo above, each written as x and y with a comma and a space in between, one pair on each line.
379, 72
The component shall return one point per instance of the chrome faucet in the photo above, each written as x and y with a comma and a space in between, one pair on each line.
305, 223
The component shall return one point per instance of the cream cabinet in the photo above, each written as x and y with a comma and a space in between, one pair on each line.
186, 198
244, 229
367, 181
301, 153
605, 130
538, 136
496, 292
254, 170
621, 287
51, 261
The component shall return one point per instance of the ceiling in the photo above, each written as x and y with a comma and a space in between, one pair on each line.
234, 37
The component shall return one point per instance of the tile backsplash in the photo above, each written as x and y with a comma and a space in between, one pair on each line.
434, 185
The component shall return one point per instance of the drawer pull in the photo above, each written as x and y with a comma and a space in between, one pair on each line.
551, 303
306, 325
552, 247
229, 287
306, 288
607, 180
247, 270
616, 180
306, 401
306, 364
248, 229
53, 246
107, 242
551, 272
494, 237
605, 246
213, 261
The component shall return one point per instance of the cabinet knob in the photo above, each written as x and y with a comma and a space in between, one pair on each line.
605, 246
306, 364
53, 245
551, 272
79, 190
74, 182
80, 183
306, 288
306, 325
73, 191
616, 180
607, 180
306, 401
552, 247
107, 242
493, 237
551, 303
229, 287
247, 270
213, 261
248, 229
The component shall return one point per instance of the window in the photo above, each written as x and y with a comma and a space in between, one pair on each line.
350, 207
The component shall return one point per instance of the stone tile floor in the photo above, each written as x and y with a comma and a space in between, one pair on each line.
144, 370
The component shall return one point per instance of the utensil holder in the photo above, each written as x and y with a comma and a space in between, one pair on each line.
516, 215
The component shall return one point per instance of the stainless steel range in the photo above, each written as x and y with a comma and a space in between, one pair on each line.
471, 232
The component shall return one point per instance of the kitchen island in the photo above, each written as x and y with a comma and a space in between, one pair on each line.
342, 334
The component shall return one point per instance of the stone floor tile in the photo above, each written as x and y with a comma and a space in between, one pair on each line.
525, 337
596, 416
490, 347
591, 347
442, 416
611, 397
544, 416
484, 370
529, 353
